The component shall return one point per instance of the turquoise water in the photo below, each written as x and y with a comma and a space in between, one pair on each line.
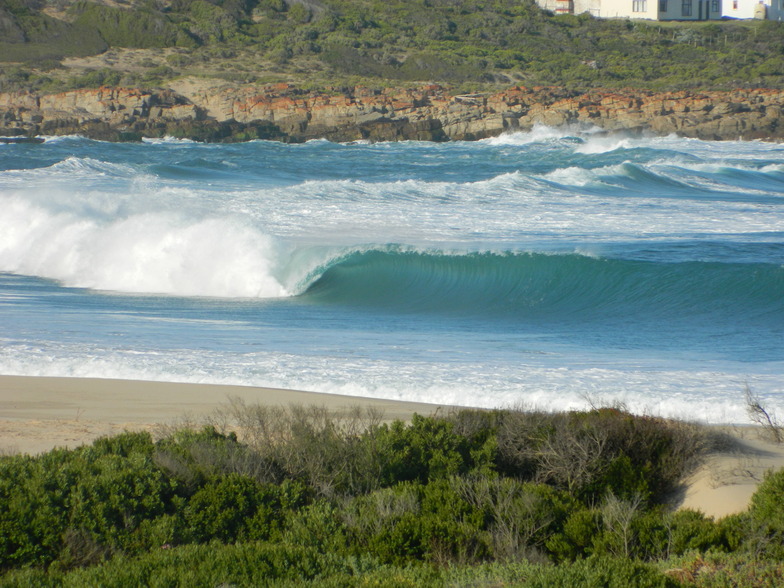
549, 269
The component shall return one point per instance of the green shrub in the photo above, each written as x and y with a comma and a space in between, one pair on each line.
453, 529
693, 531
79, 505
577, 536
116, 495
766, 516
318, 526
231, 508
592, 453
428, 449
719, 570
349, 498
194, 456
95, 79
413, 521
519, 517
122, 445
34, 496
246, 564
601, 571
121, 27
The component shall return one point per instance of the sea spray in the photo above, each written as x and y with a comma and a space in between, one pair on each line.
156, 252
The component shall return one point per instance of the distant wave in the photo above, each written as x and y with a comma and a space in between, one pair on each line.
673, 178
660, 175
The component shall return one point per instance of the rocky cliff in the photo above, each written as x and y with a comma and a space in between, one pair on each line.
430, 113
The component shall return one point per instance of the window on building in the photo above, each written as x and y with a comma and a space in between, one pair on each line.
734, 4
639, 5
715, 6
663, 5
686, 8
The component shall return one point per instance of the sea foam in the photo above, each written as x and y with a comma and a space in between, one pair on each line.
156, 252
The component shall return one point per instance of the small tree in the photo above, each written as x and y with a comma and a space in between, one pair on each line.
763, 416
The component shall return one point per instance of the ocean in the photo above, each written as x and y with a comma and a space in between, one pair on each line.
552, 270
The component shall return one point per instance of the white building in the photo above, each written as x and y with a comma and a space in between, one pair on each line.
572, 6
761, 9
662, 9
670, 9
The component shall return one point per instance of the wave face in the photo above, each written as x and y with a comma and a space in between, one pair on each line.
537, 268
559, 287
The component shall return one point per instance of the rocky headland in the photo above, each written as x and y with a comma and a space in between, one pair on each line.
430, 113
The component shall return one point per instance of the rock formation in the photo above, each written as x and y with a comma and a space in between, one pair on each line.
429, 113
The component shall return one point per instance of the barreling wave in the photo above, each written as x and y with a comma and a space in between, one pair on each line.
549, 286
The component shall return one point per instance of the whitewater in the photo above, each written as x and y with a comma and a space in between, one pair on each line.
553, 270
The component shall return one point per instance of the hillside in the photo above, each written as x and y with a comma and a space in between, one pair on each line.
52, 45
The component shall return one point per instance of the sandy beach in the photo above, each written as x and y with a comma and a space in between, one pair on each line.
38, 414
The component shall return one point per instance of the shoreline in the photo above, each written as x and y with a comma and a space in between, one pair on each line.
38, 414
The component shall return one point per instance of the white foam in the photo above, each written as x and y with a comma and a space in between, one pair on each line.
167, 140
51, 139
574, 176
157, 252
76, 171
538, 134
605, 144
714, 396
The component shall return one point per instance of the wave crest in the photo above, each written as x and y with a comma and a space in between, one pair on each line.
162, 253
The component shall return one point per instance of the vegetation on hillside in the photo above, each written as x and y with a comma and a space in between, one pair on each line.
471, 498
469, 43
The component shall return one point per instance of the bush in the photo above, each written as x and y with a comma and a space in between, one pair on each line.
766, 516
82, 503
34, 496
247, 564
194, 456
126, 28
333, 455
318, 526
115, 496
592, 453
718, 570
693, 531
429, 448
520, 517
347, 500
230, 508
602, 571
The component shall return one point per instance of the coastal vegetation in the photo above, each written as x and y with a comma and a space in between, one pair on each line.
471, 44
292, 497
